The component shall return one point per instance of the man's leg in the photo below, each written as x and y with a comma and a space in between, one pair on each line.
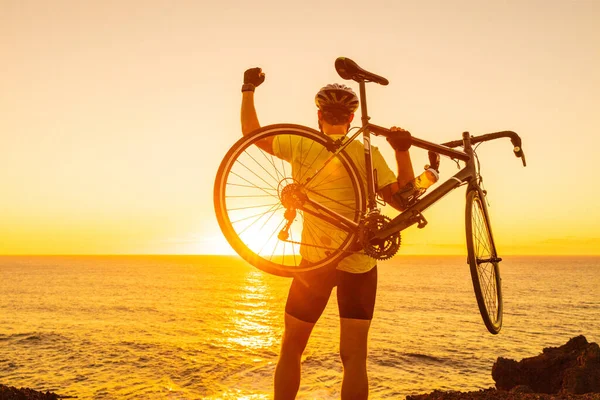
308, 296
353, 351
287, 373
356, 301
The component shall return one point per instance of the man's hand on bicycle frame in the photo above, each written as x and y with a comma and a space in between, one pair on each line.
400, 140
253, 77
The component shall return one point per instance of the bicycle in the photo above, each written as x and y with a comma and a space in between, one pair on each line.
312, 208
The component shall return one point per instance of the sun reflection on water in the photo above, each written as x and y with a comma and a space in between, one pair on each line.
253, 317
238, 395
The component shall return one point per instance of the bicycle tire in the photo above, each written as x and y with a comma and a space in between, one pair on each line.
483, 260
246, 162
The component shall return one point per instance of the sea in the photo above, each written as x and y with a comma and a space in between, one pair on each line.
209, 327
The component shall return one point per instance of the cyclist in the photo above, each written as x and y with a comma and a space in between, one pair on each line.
355, 275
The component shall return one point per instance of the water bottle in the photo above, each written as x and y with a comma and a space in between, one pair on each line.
426, 179
407, 195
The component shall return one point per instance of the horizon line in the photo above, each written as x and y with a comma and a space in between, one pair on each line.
236, 255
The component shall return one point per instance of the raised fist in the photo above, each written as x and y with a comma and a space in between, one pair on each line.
254, 76
399, 139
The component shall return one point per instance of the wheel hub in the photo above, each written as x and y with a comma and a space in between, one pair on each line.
291, 194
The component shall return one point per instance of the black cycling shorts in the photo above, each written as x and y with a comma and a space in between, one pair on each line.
310, 293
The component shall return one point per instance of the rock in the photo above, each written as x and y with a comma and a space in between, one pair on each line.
521, 389
493, 394
585, 377
12, 393
572, 368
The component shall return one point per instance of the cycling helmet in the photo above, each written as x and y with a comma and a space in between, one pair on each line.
337, 96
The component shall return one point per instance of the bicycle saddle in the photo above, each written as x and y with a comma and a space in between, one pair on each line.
348, 69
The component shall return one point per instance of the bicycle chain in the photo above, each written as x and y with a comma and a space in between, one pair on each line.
390, 249
323, 247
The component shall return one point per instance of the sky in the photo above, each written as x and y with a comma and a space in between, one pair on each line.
115, 115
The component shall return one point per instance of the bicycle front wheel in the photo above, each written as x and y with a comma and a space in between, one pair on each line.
279, 195
483, 261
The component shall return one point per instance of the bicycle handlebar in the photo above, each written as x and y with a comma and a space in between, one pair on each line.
514, 138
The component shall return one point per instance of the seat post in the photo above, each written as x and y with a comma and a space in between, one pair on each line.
371, 200
363, 103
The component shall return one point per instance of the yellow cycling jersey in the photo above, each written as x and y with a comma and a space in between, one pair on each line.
332, 188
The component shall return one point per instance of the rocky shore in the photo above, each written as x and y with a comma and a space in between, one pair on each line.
495, 394
12, 393
568, 372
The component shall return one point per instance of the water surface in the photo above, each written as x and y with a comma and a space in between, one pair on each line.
208, 327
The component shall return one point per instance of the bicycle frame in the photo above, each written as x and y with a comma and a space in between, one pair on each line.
412, 214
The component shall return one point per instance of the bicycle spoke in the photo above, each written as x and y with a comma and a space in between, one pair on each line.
255, 215
325, 234
248, 196
329, 173
306, 229
483, 237
272, 162
249, 207
336, 188
313, 163
486, 235
260, 165
275, 250
293, 250
480, 227
258, 187
270, 237
265, 223
313, 240
301, 162
254, 173
258, 219
331, 200
250, 187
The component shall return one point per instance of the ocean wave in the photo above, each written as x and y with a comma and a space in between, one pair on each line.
394, 358
28, 337
425, 357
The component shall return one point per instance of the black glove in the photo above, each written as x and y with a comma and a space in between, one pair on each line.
254, 76
400, 140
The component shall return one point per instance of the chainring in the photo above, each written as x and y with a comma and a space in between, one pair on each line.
380, 249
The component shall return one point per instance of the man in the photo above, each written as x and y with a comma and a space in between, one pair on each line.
356, 275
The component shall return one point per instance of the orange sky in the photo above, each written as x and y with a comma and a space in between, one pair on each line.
114, 115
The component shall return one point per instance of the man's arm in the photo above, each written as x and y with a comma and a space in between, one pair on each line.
401, 143
253, 77
248, 114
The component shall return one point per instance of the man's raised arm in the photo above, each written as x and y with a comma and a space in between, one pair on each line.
253, 77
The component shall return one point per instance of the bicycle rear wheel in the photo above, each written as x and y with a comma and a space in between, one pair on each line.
483, 261
266, 193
